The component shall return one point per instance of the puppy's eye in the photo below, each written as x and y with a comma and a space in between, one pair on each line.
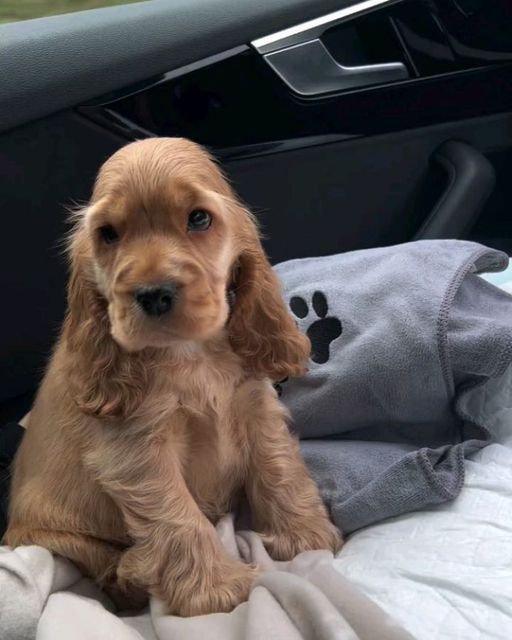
108, 234
199, 220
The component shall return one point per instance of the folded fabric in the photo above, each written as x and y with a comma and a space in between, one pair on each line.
46, 598
451, 564
400, 335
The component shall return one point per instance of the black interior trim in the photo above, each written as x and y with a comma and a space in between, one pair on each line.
53, 63
239, 108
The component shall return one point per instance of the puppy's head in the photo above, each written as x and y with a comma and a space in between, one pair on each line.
161, 234
162, 246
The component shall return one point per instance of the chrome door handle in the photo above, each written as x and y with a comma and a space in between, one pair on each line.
301, 60
310, 70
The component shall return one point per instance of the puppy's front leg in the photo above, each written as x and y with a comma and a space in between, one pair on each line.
176, 554
285, 502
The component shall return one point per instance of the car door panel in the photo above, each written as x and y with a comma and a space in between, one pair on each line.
343, 171
58, 62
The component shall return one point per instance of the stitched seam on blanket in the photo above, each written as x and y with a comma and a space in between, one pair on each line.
431, 477
444, 315
504, 362
505, 357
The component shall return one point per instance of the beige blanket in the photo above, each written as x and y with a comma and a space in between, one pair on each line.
46, 598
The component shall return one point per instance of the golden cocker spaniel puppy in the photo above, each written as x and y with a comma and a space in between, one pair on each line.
157, 408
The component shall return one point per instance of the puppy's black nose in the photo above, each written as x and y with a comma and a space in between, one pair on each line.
157, 300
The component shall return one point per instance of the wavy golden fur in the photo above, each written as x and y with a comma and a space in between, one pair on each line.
146, 429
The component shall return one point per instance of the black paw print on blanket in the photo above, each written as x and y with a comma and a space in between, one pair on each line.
323, 331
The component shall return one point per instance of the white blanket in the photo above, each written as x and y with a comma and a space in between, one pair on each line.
445, 573
46, 598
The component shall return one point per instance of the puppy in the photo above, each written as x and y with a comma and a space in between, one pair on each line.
157, 409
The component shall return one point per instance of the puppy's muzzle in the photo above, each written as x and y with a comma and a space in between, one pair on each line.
156, 300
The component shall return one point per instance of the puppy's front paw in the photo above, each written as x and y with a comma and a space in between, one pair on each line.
216, 590
303, 535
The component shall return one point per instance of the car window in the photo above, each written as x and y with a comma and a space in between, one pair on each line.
15, 10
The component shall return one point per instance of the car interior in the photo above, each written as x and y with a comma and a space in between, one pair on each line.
343, 124
396, 126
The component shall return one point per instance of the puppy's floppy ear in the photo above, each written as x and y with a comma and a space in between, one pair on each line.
106, 382
261, 329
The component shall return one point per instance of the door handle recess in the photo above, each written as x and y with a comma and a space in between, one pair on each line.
310, 70
471, 180
302, 61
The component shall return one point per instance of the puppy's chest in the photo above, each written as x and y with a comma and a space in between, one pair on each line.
215, 461
211, 438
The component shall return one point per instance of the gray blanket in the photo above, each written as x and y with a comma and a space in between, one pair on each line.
400, 335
